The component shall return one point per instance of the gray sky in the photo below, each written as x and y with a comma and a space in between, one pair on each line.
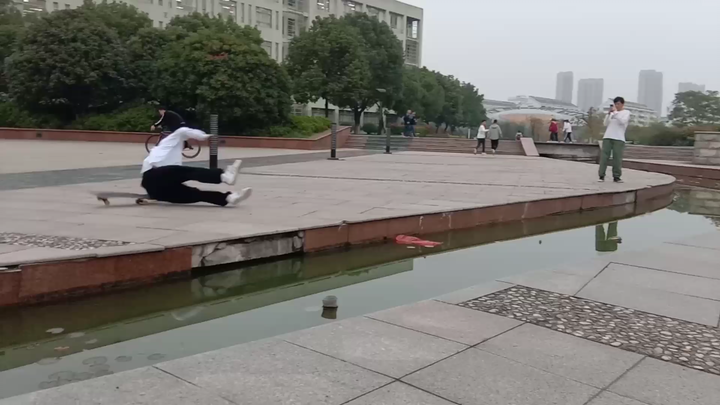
514, 47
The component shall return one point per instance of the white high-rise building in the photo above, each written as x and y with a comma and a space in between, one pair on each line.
687, 86
590, 93
650, 90
564, 87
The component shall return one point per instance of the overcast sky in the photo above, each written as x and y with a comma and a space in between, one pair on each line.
513, 47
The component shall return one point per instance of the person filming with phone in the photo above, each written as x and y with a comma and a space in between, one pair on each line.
613, 142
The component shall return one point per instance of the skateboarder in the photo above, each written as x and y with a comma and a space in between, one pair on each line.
163, 174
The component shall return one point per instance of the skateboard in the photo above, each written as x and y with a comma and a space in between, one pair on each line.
140, 199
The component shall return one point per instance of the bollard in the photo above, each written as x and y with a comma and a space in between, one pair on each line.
333, 143
387, 142
213, 141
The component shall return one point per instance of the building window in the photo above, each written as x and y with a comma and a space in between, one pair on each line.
151, 1
242, 13
395, 20
267, 46
160, 2
413, 29
352, 6
56, 6
160, 24
228, 8
263, 17
67, 7
376, 12
170, 4
323, 5
411, 52
277, 20
277, 52
291, 28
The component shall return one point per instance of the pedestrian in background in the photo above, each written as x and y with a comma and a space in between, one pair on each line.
494, 133
613, 142
407, 120
567, 130
553, 130
413, 122
482, 132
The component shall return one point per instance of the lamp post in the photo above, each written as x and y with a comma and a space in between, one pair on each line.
382, 123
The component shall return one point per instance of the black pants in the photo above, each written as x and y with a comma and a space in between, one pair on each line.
166, 184
494, 143
481, 141
568, 137
554, 136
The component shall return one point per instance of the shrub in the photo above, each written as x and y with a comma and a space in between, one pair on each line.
370, 128
422, 131
13, 116
310, 126
397, 129
137, 118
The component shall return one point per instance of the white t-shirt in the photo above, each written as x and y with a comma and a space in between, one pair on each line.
617, 122
482, 132
169, 151
567, 128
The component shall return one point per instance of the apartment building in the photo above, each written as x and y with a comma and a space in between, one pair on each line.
650, 90
278, 20
564, 86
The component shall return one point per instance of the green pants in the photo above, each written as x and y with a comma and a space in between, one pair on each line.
616, 148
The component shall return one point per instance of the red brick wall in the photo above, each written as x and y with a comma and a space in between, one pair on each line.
321, 141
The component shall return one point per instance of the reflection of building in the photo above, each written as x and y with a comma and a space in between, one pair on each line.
279, 21
650, 90
590, 93
686, 86
640, 115
564, 87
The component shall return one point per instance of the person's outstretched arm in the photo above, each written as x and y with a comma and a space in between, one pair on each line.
189, 133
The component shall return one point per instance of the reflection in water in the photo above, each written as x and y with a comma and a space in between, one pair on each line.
607, 241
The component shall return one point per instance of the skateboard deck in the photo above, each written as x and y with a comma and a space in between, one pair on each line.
140, 199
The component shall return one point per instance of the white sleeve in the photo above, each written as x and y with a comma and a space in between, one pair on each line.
623, 118
194, 134
608, 118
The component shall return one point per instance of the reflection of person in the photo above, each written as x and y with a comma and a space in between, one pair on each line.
607, 242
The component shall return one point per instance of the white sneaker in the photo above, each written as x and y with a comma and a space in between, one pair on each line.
237, 198
484, 153
230, 174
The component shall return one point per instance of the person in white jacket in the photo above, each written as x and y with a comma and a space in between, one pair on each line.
163, 174
567, 130
613, 142
482, 133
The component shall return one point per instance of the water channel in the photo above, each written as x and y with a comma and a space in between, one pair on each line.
51, 345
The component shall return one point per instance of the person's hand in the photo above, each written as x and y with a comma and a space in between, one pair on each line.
152, 127
612, 109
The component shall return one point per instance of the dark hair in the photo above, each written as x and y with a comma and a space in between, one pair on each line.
494, 121
619, 100
483, 121
161, 107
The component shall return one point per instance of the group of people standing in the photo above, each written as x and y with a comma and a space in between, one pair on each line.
567, 131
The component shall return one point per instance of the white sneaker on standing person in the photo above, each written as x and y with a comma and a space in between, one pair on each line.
613, 142
482, 133
494, 133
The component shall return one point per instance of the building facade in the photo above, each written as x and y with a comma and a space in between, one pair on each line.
564, 86
547, 104
496, 106
687, 86
650, 90
590, 93
640, 114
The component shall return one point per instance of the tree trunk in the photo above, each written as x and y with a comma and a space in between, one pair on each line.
327, 109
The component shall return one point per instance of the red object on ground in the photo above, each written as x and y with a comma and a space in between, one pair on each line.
411, 240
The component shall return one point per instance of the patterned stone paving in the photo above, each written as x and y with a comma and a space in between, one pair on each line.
672, 340
57, 242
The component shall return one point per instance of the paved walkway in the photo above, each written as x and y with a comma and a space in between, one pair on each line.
287, 198
627, 329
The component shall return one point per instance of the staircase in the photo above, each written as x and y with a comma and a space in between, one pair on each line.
446, 145
674, 153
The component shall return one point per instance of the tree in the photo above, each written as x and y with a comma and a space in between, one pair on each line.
593, 121
451, 111
472, 109
124, 19
385, 59
68, 62
421, 93
11, 26
219, 72
144, 49
327, 62
693, 108
193, 23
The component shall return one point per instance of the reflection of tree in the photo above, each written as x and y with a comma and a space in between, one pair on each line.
539, 131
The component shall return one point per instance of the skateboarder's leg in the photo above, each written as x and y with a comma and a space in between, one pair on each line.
182, 194
181, 174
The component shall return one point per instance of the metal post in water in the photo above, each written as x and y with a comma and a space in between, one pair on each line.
333, 143
213, 141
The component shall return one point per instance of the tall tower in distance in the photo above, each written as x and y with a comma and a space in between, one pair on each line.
650, 90
564, 87
590, 93
687, 86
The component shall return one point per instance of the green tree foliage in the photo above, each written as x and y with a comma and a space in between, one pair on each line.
328, 61
124, 19
221, 72
472, 109
68, 62
421, 93
451, 111
385, 59
695, 108
183, 26
11, 27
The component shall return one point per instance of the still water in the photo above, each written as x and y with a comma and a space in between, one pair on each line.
52, 345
